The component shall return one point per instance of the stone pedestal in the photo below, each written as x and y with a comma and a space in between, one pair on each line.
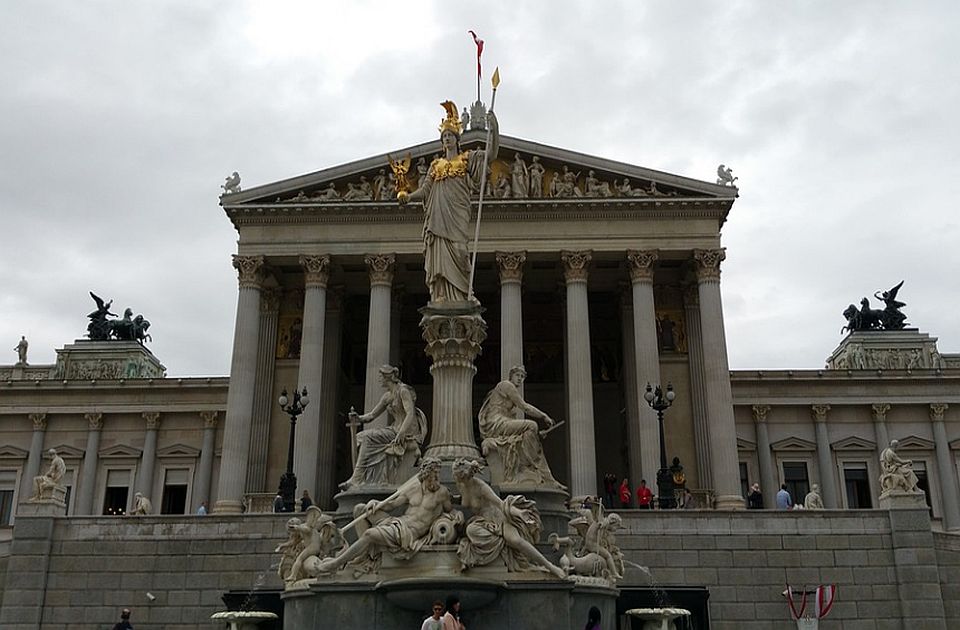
106, 360
53, 506
895, 500
453, 332
907, 349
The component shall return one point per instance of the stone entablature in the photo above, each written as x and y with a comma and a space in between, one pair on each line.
887, 350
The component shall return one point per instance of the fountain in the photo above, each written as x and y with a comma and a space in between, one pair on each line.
658, 618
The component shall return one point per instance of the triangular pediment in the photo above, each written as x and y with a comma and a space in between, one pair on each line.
12, 452
66, 451
120, 450
915, 443
793, 444
745, 445
178, 450
854, 443
360, 181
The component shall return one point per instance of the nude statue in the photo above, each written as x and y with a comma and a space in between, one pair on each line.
507, 528
44, 484
425, 500
319, 537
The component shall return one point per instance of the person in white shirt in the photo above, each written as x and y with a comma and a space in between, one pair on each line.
434, 621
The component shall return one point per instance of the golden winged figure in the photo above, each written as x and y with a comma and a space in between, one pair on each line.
400, 169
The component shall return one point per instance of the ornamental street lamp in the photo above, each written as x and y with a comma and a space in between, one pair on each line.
288, 481
660, 402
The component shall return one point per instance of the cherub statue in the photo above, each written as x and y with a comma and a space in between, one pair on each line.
725, 176
593, 552
231, 184
320, 539
290, 550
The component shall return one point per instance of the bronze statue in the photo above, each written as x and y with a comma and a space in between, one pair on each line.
128, 328
866, 318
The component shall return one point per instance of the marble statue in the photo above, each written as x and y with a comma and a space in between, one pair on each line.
500, 528
594, 187
381, 450
231, 184
311, 540
445, 193
592, 552
425, 500
290, 549
896, 474
813, 500
43, 485
504, 430
465, 119
501, 187
141, 505
536, 177
553, 190
519, 178
725, 176
21, 350
627, 190
353, 192
422, 171
567, 187
329, 193
380, 190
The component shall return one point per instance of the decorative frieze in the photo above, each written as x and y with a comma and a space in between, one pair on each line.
316, 270
576, 265
641, 264
708, 262
381, 268
249, 270
510, 265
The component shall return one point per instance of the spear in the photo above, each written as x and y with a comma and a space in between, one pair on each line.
483, 181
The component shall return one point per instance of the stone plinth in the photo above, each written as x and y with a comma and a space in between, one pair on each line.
453, 332
895, 500
907, 349
52, 506
106, 360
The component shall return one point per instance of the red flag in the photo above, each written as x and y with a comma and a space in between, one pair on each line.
479, 43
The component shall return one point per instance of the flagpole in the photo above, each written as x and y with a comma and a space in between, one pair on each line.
483, 180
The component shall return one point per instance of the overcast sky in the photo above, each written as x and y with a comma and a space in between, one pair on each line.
119, 121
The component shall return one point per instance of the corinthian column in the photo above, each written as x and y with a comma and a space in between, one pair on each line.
768, 478
327, 453
646, 354
698, 396
879, 413
716, 378
828, 478
88, 472
316, 271
583, 457
205, 467
148, 460
945, 468
263, 401
378, 329
32, 468
240, 395
629, 379
510, 265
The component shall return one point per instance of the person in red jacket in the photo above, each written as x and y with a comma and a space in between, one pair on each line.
625, 493
644, 496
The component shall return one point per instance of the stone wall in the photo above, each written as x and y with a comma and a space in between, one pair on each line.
78, 572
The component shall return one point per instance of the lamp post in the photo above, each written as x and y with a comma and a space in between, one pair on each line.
288, 481
660, 402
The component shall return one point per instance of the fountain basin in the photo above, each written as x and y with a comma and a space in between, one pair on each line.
243, 620
658, 618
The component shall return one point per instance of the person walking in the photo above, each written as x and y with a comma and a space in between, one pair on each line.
784, 500
593, 619
435, 620
625, 493
451, 619
124, 623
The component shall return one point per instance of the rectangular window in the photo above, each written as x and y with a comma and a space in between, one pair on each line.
8, 485
744, 480
175, 491
857, 484
923, 482
117, 493
797, 480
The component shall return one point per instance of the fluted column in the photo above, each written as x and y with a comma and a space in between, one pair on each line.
828, 476
148, 460
316, 271
88, 472
583, 458
879, 413
632, 396
698, 396
716, 378
646, 354
240, 395
32, 468
263, 400
327, 453
205, 466
510, 266
378, 329
948, 473
396, 305
768, 475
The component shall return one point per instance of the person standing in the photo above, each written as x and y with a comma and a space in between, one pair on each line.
625, 493
644, 496
202, 510
124, 623
434, 621
278, 503
784, 500
451, 619
593, 619
609, 489
755, 498
305, 501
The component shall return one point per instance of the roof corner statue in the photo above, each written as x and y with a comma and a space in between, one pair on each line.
445, 194
866, 318
127, 328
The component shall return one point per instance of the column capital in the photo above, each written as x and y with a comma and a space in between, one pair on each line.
249, 270
39, 421
879, 411
95, 420
937, 410
209, 419
760, 413
819, 412
576, 265
380, 267
708, 262
641, 263
510, 266
153, 420
316, 270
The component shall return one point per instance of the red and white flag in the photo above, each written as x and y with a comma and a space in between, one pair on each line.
793, 606
479, 43
825, 595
